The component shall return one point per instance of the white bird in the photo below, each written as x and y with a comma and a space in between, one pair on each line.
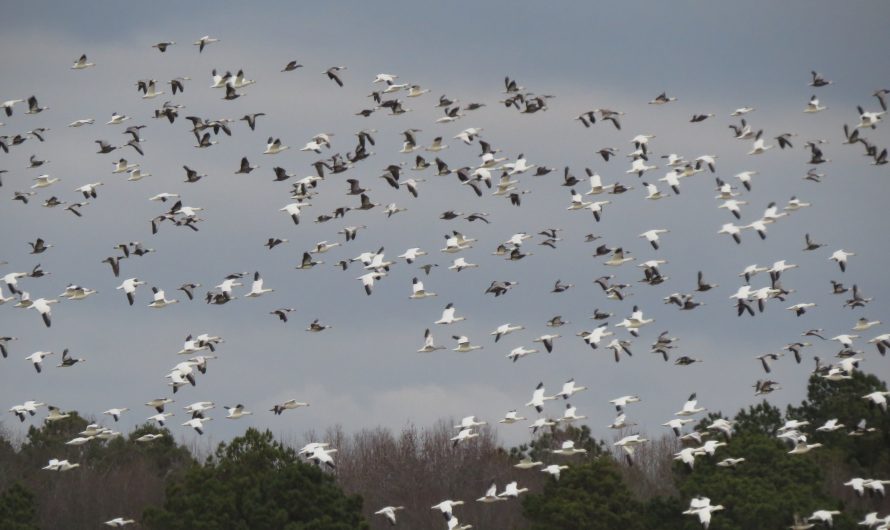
823, 516
491, 495
521, 351
44, 181
570, 415
446, 507
554, 470
512, 490
463, 344
82, 63
60, 465
652, 236
238, 411
840, 256
569, 388
129, 287
274, 146
116, 412
538, 398
204, 41
511, 417
256, 288
628, 444
160, 300
813, 105
119, 522
429, 344
390, 513
197, 424
448, 315
505, 329
877, 399
418, 291
689, 408
460, 264
37, 359
42, 306
547, 341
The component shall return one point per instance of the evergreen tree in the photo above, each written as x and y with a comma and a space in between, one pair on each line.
17, 509
256, 483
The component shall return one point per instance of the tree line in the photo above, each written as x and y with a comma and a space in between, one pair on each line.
256, 482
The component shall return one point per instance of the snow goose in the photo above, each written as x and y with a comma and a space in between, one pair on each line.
652, 236
628, 444
446, 507
538, 398
60, 465
42, 305
448, 315
689, 408
463, 344
197, 424
116, 412
390, 513
463, 436
877, 399
491, 495
570, 415
547, 341
160, 300
119, 522
512, 490
274, 146
521, 351
505, 329
256, 288
204, 41
554, 470
840, 256
236, 412
417, 290
511, 417
428, 343
37, 359
813, 105
823, 516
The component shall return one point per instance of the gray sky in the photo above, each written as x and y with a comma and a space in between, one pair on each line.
364, 372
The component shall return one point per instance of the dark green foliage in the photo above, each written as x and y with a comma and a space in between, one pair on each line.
588, 496
256, 483
17, 509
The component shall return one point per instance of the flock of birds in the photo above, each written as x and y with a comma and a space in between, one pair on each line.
490, 171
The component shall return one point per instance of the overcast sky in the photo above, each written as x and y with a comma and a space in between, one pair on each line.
365, 371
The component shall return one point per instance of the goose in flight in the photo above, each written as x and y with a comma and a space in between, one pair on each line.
116, 412
417, 290
390, 513
512, 490
68, 361
547, 341
840, 256
129, 287
538, 398
256, 288
877, 399
628, 444
521, 351
491, 495
428, 343
463, 344
290, 404
238, 411
554, 470
813, 105
448, 315
119, 522
82, 63
689, 408
60, 465
160, 300
197, 424
37, 359
333, 74
202, 42
42, 306
505, 329
511, 417
661, 99
446, 507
